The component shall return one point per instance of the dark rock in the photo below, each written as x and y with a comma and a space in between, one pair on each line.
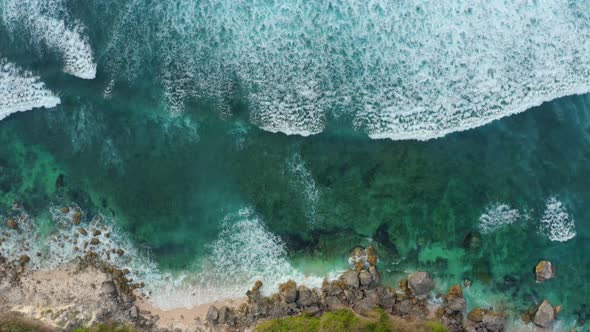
83, 231
454, 300
306, 297
332, 290
77, 217
120, 252
421, 284
544, 271
224, 315
94, 241
212, 314
288, 291
364, 306
472, 240
96, 232
364, 278
386, 298
350, 278
332, 302
23, 260
11, 224
545, 315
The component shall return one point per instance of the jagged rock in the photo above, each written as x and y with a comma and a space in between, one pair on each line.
332, 302
454, 300
306, 297
133, 312
212, 314
77, 217
94, 241
372, 257
11, 224
350, 297
486, 320
332, 290
544, 271
224, 315
421, 284
545, 315
375, 275
364, 306
351, 278
288, 291
358, 259
386, 298
494, 322
23, 260
364, 278
109, 288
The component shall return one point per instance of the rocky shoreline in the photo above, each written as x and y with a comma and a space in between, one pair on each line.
89, 291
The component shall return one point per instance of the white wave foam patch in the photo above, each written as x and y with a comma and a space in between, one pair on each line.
245, 251
21, 91
40, 19
556, 223
497, 216
302, 179
401, 70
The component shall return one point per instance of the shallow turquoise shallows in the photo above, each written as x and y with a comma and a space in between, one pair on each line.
225, 141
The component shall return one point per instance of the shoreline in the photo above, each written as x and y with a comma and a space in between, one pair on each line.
89, 291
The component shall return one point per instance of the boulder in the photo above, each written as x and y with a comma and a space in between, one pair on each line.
545, 315
358, 259
94, 241
133, 312
494, 322
420, 284
364, 278
23, 260
288, 291
454, 300
212, 314
77, 217
386, 298
350, 278
544, 271
364, 306
306, 297
120, 252
375, 275
224, 315
332, 302
11, 224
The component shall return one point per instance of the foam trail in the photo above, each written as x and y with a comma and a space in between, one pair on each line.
40, 19
556, 224
21, 91
302, 179
400, 70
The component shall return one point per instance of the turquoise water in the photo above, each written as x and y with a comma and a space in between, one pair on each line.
173, 118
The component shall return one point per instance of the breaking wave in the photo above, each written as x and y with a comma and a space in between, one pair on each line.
20, 91
244, 251
40, 19
400, 70
556, 222
497, 216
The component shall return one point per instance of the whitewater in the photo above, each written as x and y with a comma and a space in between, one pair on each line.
411, 70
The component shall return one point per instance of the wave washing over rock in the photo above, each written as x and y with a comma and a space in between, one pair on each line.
243, 253
405, 70
41, 20
20, 91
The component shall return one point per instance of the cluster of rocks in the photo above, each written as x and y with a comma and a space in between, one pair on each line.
360, 290
544, 314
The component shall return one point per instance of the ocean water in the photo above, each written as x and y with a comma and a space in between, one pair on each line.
225, 141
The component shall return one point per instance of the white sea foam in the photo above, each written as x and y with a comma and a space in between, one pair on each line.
401, 70
497, 216
302, 179
556, 223
244, 251
45, 22
21, 91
